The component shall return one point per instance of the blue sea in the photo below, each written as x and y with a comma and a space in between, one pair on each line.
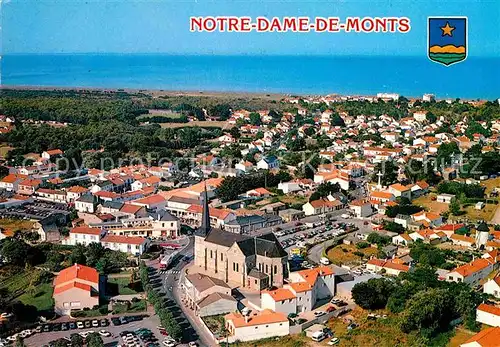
409, 76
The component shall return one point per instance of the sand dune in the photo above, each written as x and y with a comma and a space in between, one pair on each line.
447, 49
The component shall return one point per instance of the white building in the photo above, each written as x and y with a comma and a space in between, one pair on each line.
472, 272
84, 235
445, 198
256, 325
492, 287
489, 315
132, 245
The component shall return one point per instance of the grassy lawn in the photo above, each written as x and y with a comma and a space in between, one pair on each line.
162, 113
287, 199
461, 335
15, 224
41, 298
16, 282
344, 254
4, 150
491, 184
138, 306
426, 202
380, 333
122, 286
485, 214
214, 323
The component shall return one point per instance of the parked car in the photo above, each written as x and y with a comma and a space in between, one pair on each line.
95, 323
333, 341
104, 333
319, 313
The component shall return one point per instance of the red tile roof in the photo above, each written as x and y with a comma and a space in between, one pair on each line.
75, 272
71, 285
86, 230
132, 240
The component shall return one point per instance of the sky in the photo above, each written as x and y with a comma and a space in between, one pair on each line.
162, 26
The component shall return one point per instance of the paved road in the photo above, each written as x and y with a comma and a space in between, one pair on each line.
171, 281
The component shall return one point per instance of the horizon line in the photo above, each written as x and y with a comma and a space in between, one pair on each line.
326, 55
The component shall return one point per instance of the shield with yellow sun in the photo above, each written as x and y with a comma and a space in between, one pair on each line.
447, 39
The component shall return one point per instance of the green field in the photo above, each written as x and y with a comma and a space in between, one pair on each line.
447, 58
138, 306
122, 286
17, 287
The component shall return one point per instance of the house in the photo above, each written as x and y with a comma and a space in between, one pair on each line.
289, 187
152, 181
402, 240
279, 300
73, 193
321, 206
485, 338
49, 154
268, 163
47, 229
489, 315
51, 195
258, 192
445, 198
11, 182
420, 188
492, 287
462, 240
28, 186
428, 236
398, 190
472, 272
256, 325
132, 245
382, 197
84, 235
361, 208
76, 288
244, 166
86, 203
449, 229
208, 296
315, 284
427, 219
151, 202
387, 266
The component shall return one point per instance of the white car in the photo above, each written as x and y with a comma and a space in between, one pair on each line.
80, 325
6, 315
95, 323
104, 333
169, 343
193, 344
324, 261
333, 341
319, 313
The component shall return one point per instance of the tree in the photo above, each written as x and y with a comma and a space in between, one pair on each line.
77, 255
255, 118
19, 342
4, 171
372, 294
454, 207
429, 311
77, 341
93, 253
94, 340
15, 251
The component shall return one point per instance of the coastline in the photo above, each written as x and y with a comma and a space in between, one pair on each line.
208, 93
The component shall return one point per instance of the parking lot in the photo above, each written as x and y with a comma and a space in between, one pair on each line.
36, 210
109, 329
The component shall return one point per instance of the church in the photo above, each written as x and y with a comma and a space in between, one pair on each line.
253, 262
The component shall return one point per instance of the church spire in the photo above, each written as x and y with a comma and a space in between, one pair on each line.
205, 217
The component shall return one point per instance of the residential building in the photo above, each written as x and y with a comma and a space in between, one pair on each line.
472, 272
76, 288
256, 325
361, 208
492, 287
132, 245
86, 203
489, 315
208, 296
85, 235
485, 338
268, 163
445, 198
387, 266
